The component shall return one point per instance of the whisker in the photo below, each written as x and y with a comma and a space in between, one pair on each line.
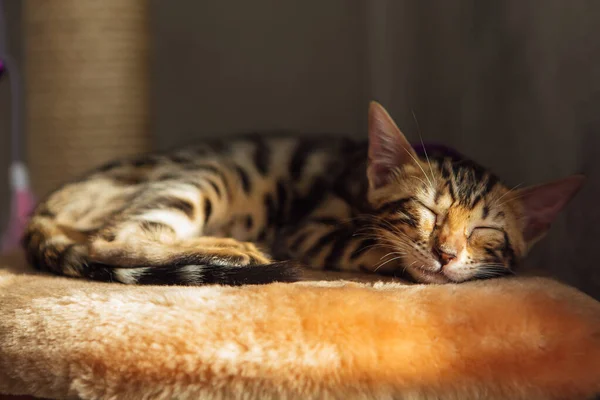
373, 246
492, 270
423, 144
502, 196
381, 265
408, 266
511, 199
392, 253
422, 181
421, 168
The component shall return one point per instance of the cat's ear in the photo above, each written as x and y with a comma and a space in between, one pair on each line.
542, 203
388, 147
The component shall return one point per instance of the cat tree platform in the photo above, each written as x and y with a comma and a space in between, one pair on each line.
518, 338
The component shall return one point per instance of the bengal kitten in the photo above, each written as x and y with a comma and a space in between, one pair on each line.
201, 214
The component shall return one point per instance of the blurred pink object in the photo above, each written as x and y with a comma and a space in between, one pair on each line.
22, 204
22, 201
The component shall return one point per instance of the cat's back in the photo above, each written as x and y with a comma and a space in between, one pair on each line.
274, 154
249, 160
246, 170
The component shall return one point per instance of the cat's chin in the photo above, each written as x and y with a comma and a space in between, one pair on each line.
422, 276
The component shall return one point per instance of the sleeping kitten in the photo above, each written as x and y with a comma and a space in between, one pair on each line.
200, 215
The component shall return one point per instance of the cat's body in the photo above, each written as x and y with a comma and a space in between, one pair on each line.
258, 189
188, 217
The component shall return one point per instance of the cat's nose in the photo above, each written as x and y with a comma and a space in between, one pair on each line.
444, 256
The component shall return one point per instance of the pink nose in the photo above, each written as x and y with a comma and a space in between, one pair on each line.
444, 257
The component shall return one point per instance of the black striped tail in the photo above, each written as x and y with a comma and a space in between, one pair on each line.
193, 275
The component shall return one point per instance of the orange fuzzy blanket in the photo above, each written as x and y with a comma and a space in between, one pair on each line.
520, 338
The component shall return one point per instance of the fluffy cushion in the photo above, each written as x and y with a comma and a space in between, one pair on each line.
521, 338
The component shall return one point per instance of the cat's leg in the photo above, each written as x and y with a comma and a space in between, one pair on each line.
169, 213
331, 238
157, 239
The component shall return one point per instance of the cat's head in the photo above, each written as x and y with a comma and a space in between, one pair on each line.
449, 219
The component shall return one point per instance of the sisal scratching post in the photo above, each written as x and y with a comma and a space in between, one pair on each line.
86, 77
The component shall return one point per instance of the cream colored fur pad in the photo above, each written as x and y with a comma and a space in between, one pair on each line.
503, 339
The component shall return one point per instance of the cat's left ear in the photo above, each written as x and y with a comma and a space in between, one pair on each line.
388, 147
542, 203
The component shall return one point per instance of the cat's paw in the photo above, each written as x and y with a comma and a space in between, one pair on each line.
237, 256
256, 256
232, 251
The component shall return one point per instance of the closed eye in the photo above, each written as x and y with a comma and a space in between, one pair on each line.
495, 228
427, 208
433, 213
484, 228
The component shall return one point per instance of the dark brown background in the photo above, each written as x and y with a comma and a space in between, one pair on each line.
513, 84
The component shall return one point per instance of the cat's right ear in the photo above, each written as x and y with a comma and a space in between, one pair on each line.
388, 147
542, 203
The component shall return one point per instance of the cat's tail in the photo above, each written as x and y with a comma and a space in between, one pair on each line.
196, 274
60, 250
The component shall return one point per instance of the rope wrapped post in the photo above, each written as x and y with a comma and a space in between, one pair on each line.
86, 85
